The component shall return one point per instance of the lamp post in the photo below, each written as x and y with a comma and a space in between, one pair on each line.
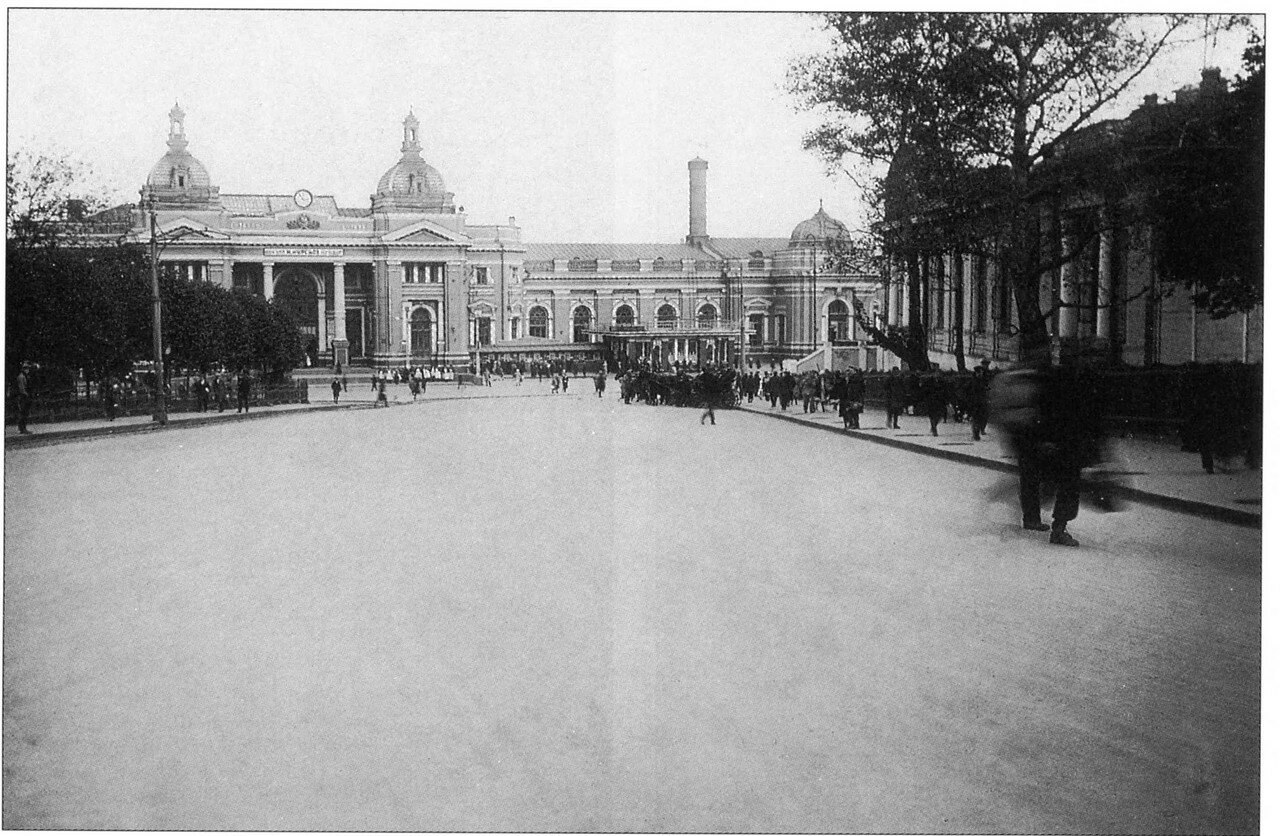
742, 323
161, 414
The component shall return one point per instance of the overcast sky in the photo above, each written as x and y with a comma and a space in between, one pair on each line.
580, 125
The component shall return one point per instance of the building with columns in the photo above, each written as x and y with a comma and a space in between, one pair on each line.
409, 279
1106, 295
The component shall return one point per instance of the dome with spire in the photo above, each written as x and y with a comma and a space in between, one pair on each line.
179, 177
818, 230
411, 183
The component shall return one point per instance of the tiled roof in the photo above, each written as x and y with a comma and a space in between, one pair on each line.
614, 252
262, 205
744, 247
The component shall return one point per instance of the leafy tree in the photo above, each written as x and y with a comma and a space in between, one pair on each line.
1208, 167
934, 97
43, 193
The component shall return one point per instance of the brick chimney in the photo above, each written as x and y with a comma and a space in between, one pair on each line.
697, 202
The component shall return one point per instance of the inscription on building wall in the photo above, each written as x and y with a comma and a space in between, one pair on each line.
317, 252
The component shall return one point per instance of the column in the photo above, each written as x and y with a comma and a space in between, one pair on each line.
340, 347
228, 273
891, 299
1106, 240
268, 280
1068, 314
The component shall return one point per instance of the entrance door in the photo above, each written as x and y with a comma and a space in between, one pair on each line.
355, 332
296, 294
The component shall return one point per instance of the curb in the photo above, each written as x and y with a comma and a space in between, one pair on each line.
1234, 516
58, 436
43, 439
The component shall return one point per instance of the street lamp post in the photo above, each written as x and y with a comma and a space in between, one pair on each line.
742, 323
161, 414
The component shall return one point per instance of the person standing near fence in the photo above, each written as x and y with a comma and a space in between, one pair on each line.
108, 389
894, 393
979, 399
242, 392
23, 385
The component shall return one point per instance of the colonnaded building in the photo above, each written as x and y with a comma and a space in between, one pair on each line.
409, 279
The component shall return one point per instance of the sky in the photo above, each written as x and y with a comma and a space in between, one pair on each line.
580, 125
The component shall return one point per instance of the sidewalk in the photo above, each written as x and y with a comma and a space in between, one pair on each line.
1148, 471
319, 394
1151, 472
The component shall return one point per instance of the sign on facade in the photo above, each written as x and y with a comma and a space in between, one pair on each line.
313, 252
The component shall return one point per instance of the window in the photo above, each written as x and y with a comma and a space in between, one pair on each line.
581, 324
482, 275
538, 321
667, 317
484, 330
423, 272
624, 315
837, 321
780, 328
756, 335
707, 316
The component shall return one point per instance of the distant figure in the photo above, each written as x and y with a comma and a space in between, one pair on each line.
242, 392
564, 382
707, 391
601, 379
555, 383
201, 390
894, 393
382, 394
220, 391
24, 397
336, 386
979, 399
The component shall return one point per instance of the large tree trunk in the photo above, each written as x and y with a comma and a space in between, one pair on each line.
957, 273
917, 343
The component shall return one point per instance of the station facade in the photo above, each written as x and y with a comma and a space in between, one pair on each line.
409, 280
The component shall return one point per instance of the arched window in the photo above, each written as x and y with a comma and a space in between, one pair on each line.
420, 342
411, 183
666, 317
581, 324
624, 315
538, 320
837, 321
707, 316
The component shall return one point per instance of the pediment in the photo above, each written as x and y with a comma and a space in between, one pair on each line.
426, 232
759, 303
188, 230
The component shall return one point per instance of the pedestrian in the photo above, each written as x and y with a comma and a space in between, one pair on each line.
894, 391
382, 395
337, 388
601, 379
242, 391
555, 384
23, 385
519, 375
373, 382
707, 390
201, 391
344, 381
979, 399
786, 389
220, 391
564, 381
933, 391
1052, 415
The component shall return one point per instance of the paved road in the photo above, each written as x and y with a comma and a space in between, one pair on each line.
567, 614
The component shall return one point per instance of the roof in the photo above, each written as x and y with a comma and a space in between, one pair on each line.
263, 205
744, 247
614, 252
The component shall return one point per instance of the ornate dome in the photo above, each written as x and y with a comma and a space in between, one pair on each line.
179, 177
411, 177
411, 184
818, 229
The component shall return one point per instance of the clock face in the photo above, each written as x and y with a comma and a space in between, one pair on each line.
302, 197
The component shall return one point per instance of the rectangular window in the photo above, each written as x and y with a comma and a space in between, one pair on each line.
780, 328
482, 275
755, 334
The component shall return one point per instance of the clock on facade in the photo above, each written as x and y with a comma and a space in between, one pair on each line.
302, 197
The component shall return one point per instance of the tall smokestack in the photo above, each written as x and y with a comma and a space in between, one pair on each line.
697, 201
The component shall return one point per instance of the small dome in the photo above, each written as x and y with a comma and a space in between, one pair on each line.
411, 177
165, 174
821, 227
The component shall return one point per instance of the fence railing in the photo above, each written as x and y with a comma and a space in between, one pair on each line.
54, 407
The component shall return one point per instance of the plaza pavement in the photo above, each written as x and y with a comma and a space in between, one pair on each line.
1151, 471
567, 614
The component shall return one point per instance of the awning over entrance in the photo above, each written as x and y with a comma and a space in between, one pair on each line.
662, 348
